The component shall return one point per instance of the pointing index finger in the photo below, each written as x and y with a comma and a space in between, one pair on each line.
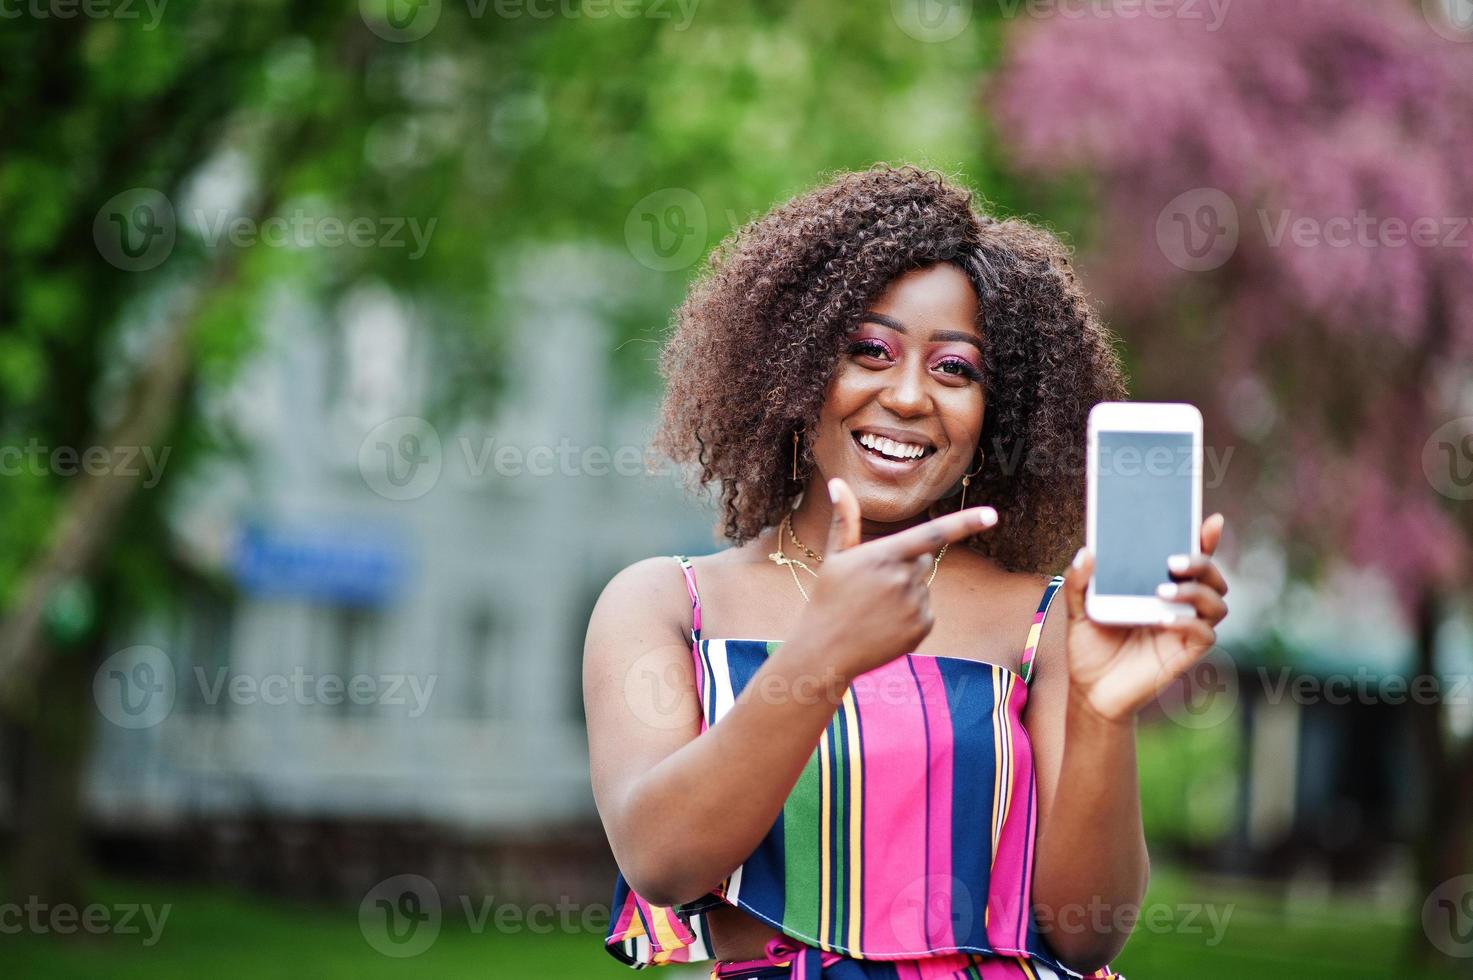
933, 534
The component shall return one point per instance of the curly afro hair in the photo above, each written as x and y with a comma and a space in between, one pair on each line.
758, 338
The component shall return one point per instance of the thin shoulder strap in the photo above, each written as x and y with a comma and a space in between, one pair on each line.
1036, 630
695, 597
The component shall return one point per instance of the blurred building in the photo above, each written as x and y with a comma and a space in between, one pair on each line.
1319, 687
378, 650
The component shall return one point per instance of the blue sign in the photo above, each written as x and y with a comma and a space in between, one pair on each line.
351, 566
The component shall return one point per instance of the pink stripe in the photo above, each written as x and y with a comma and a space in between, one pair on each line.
894, 890
695, 597
626, 916
939, 882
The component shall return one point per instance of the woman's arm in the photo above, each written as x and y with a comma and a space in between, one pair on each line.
682, 811
1090, 862
1090, 865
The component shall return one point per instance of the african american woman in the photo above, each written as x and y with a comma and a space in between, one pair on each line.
853, 744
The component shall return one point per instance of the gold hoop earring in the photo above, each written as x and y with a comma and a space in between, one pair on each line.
795, 457
966, 482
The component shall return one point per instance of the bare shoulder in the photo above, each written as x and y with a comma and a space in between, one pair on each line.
1012, 589
648, 596
1022, 594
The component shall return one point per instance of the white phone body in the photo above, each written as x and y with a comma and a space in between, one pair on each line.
1141, 506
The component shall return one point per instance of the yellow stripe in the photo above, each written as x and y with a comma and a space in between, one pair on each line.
1006, 785
824, 816
1028, 969
1034, 632
664, 934
996, 767
856, 803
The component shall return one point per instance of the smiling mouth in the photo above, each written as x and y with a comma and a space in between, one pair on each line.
891, 450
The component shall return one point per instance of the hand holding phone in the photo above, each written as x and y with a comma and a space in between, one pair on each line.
1144, 506
1125, 641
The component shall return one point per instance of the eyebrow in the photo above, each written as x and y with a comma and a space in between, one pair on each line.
894, 324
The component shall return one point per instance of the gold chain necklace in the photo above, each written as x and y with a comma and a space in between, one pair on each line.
778, 557
788, 523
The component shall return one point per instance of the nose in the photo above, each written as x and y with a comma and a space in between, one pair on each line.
907, 395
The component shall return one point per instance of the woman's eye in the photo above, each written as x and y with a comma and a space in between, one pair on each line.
961, 369
869, 348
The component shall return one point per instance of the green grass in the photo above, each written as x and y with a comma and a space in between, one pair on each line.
214, 933
1265, 937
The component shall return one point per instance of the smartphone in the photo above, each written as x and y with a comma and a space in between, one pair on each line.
1144, 503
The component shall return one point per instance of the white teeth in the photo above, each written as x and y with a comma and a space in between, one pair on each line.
897, 450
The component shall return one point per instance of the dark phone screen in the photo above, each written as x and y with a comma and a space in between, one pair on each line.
1144, 509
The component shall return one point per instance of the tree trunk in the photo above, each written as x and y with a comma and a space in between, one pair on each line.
48, 863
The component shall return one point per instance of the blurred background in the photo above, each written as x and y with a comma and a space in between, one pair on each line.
327, 369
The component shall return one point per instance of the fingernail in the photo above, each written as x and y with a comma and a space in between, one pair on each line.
986, 516
1079, 558
833, 491
1167, 590
1178, 563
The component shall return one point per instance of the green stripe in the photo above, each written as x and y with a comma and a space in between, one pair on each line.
800, 852
840, 828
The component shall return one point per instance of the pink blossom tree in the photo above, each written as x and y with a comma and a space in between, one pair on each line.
1280, 232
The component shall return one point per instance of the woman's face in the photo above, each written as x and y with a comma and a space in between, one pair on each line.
902, 416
